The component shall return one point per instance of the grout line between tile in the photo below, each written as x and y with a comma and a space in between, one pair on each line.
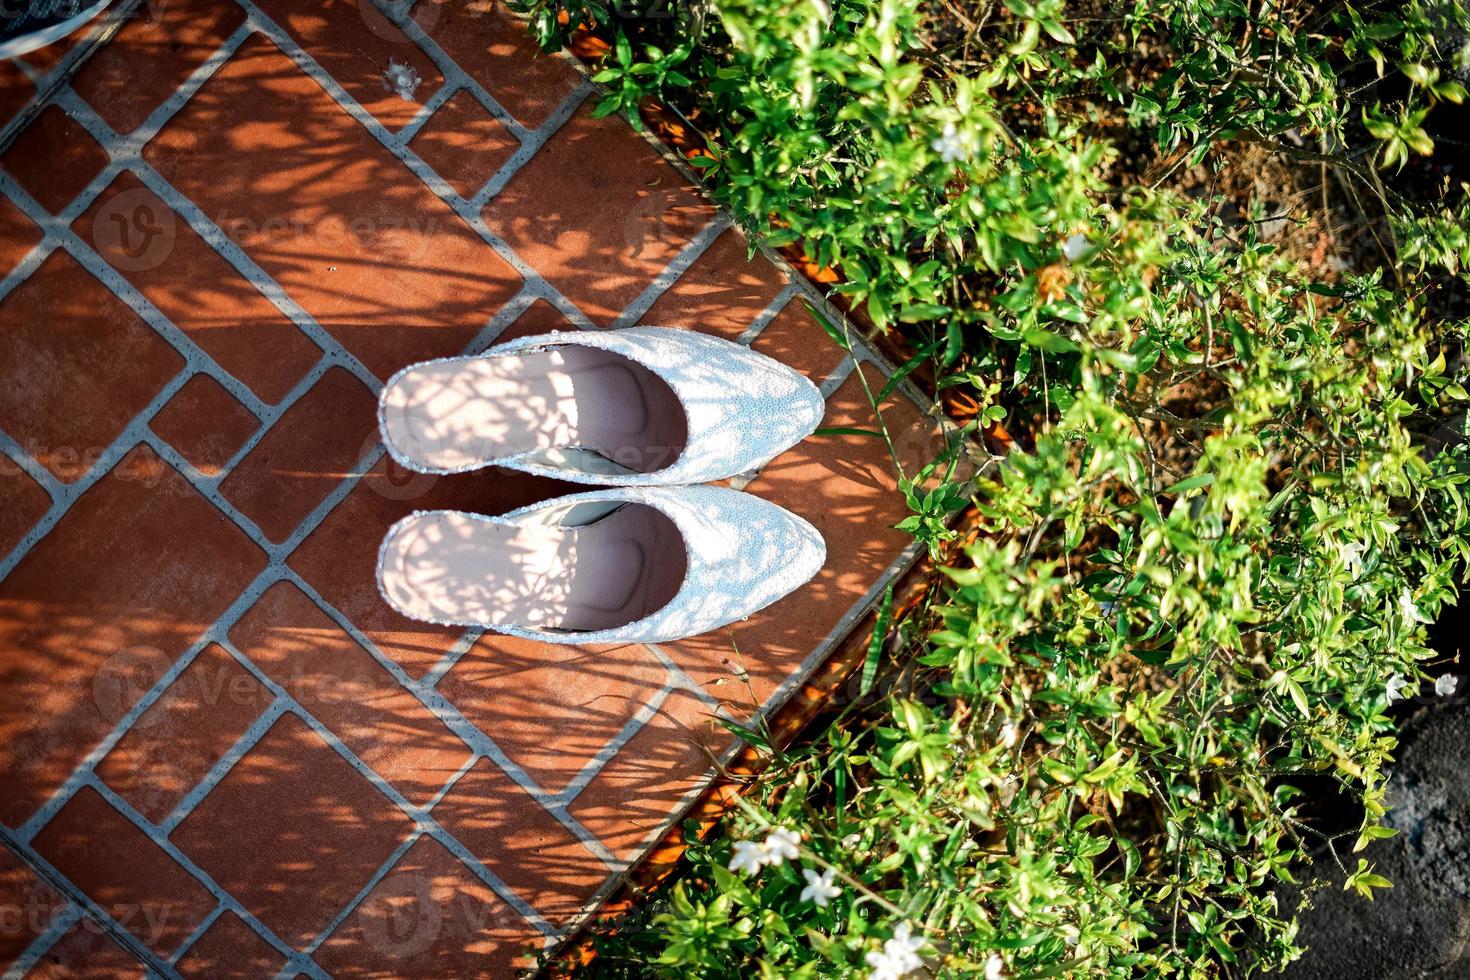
222, 897
408, 158
686, 257
80, 905
530, 146
60, 924
196, 935
89, 39
480, 743
425, 112
462, 80
264, 721
774, 309
635, 724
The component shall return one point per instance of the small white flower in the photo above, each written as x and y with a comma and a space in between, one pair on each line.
1397, 685
749, 857
995, 967
819, 888
900, 955
781, 845
1409, 610
1351, 554
402, 79
1007, 735
1075, 247
949, 144
1445, 685
880, 969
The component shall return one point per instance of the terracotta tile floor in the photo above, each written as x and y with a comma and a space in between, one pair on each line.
221, 754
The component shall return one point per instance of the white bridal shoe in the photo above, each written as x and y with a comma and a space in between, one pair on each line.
641, 406
647, 564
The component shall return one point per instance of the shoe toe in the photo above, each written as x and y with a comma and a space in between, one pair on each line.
792, 409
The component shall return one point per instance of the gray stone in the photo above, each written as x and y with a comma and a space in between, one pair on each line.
1421, 927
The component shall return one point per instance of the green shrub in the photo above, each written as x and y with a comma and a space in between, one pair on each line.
1223, 531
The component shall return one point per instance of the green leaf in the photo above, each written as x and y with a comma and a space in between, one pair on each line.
839, 337
904, 371
846, 430
1048, 341
875, 644
1191, 483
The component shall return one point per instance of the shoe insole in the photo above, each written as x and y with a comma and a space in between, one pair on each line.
464, 413
450, 567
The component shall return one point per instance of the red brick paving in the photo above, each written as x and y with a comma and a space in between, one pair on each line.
197, 290
540, 859
628, 802
354, 46
464, 144
29, 907
173, 745
292, 831
722, 293
430, 917
313, 447
85, 952
53, 159
493, 48
552, 709
15, 90
231, 950
23, 502
205, 423
161, 45
76, 366
367, 264
18, 235
796, 338
288, 636
132, 879
133, 574
362, 244
598, 214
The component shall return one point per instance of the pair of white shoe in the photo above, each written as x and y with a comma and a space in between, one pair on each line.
648, 411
